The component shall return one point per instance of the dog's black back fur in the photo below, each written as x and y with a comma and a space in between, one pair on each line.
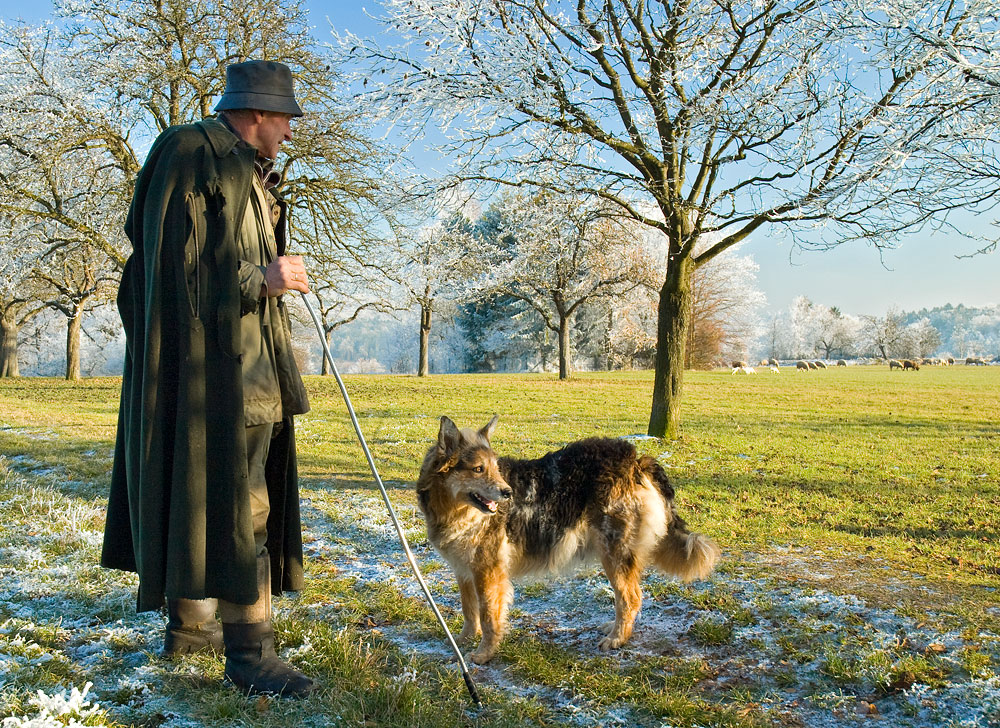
554, 492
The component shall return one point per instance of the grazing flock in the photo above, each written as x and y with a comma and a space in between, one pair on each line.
804, 365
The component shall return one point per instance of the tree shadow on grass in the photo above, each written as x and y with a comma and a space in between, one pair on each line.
340, 481
77, 467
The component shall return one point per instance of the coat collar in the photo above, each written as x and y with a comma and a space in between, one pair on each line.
219, 135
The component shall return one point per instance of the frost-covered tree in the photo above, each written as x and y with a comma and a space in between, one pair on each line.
832, 332
561, 252
726, 117
838, 333
77, 280
60, 186
973, 87
434, 270
19, 298
818, 330
885, 335
922, 338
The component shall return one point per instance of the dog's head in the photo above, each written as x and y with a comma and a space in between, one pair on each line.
464, 463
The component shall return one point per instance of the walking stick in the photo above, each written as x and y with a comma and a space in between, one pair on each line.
392, 513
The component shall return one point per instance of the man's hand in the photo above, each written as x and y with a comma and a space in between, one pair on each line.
285, 273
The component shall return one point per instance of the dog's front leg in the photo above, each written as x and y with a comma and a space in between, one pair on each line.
494, 592
470, 609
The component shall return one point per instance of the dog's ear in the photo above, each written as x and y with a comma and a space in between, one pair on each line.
449, 438
487, 431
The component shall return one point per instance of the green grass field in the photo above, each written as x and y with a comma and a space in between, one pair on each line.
857, 509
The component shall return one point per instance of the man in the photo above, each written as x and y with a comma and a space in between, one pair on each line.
204, 492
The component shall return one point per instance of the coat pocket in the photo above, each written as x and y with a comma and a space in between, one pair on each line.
194, 246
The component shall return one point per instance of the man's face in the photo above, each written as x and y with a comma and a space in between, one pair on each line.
273, 129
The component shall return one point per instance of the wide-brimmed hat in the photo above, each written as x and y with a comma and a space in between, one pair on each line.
261, 85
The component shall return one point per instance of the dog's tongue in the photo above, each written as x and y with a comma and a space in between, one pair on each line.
492, 505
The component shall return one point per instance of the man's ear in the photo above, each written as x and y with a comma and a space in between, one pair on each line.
487, 431
449, 439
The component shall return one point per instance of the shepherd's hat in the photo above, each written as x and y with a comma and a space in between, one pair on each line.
261, 85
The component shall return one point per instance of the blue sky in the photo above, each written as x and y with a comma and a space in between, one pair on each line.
922, 272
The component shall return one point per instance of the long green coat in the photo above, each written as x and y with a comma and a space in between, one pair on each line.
179, 511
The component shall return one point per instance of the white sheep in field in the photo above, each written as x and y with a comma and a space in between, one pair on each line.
773, 368
744, 369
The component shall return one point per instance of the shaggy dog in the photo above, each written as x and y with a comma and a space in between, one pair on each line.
494, 519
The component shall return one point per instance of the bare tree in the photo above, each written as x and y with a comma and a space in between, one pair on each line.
726, 117
19, 298
923, 338
836, 332
725, 305
561, 252
432, 253
59, 183
78, 280
887, 334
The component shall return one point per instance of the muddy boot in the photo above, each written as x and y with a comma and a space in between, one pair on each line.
253, 666
251, 662
191, 627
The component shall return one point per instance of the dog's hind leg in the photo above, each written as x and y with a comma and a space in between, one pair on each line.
470, 610
494, 592
623, 573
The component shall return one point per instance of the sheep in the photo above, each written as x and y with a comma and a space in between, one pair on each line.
811, 365
744, 369
841, 363
772, 362
908, 364
893, 364
801, 366
819, 364
773, 368
976, 360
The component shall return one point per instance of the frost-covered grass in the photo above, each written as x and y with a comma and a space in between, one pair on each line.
857, 510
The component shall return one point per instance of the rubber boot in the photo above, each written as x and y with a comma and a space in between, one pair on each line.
251, 662
253, 666
191, 627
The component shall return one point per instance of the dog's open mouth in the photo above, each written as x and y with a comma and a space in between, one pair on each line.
484, 504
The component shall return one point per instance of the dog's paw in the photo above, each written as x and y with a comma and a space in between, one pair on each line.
480, 657
610, 643
468, 635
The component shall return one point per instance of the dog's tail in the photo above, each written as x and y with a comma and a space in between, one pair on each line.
680, 552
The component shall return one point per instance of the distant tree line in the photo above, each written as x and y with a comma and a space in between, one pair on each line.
811, 330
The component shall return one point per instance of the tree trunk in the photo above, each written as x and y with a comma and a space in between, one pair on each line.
325, 368
8, 348
425, 333
73, 326
672, 323
564, 347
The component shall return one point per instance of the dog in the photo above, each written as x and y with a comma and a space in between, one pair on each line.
497, 518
